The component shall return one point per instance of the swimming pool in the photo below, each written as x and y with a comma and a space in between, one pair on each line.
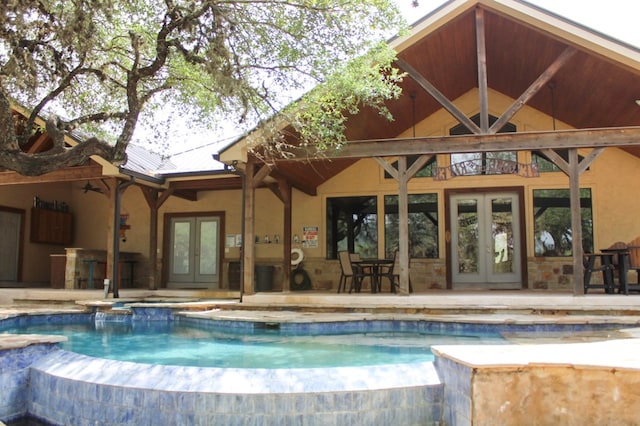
183, 343
63, 387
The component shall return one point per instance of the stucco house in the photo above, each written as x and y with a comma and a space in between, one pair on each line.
515, 147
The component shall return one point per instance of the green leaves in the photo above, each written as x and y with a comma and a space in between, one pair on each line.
213, 59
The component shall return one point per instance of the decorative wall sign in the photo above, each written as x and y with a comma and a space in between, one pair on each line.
491, 166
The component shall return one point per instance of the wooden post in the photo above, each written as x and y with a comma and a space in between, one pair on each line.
111, 231
576, 223
248, 253
403, 212
286, 193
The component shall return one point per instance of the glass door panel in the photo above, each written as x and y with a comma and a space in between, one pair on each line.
484, 232
181, 260
207, 253
195, 256
467, 246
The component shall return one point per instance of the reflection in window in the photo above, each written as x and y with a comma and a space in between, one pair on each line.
428, 170
483, 163
545, 165
552, 222
423, 225
352, 224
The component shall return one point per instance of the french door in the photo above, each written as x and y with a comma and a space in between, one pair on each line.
194, 258
485, 241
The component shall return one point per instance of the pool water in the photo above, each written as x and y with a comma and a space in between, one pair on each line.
175, 344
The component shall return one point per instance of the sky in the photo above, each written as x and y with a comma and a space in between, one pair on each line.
614, 18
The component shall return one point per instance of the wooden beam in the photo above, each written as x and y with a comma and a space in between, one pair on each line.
69, 174
187, 194
481, 55
586, 162
557, 160
151, 195
417, 165
533, 89
438, 96
388, 167
248, 239
214, 184
403, 225
38, 144
286, 195
576, 223
563, 139
295, 182
262, 173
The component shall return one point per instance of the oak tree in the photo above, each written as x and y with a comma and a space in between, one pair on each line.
97, 69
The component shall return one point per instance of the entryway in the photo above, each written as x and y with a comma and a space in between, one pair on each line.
486, 246
194, 252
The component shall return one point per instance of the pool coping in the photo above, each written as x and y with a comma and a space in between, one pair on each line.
169, 378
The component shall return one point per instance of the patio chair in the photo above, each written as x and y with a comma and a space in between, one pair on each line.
392, 273
598, 262
634, 262
348, 272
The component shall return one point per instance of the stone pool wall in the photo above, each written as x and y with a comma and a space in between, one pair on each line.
15, 366
572, 384
38, 379
68, 388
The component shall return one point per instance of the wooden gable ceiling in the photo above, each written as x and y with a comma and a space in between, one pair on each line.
589, 91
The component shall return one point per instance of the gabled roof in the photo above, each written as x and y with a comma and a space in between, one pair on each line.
596, 88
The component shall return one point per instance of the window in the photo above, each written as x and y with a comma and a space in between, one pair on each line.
352, 224
483, 163
545, 165
428, 170
423, 225
552, 222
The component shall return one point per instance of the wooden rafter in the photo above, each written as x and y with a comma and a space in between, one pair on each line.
481, 57
533, 89
438, 96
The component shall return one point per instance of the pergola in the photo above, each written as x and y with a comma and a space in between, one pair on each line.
537, 58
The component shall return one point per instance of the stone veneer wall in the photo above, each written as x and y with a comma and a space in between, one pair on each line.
426, 274
538, 393
545, 273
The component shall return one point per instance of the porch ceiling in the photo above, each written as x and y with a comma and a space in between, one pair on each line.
589, 91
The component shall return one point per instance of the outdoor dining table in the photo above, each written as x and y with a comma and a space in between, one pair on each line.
375, 268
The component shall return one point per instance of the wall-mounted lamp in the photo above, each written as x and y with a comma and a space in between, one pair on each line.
638, 102
124, 227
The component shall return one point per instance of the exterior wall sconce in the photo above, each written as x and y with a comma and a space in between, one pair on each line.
124, 227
